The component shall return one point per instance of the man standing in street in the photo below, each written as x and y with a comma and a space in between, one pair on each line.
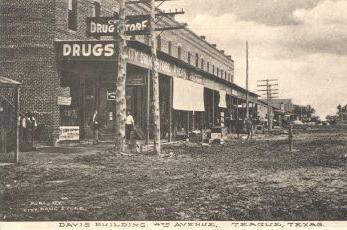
249, 128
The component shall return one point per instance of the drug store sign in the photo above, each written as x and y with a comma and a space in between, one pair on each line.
86, 50
108, 26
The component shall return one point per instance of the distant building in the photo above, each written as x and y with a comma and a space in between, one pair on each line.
285, 105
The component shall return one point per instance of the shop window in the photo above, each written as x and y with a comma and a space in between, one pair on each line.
179, 52
197, 60
72, 15
170, 48
97, 9
159, 43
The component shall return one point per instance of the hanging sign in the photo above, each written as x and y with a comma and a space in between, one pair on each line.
111, 95
107, 26
86, 50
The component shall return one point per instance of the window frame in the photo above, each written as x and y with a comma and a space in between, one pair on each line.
72, 15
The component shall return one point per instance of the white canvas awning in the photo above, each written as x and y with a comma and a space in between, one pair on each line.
222, 99
187, 95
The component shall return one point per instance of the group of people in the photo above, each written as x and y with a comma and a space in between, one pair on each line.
246, 125
94, 123
27, 128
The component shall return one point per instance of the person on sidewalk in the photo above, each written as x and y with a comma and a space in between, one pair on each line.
30, 125
129, 126
95, 125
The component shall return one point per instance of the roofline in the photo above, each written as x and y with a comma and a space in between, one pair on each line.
196, 35
180, 62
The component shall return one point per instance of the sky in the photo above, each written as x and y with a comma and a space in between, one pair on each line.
302, 43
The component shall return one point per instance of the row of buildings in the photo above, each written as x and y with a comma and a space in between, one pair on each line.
66, 74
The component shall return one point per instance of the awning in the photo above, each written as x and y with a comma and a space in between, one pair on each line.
187, 95
222, 99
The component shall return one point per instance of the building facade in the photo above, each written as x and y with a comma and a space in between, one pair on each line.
65, 75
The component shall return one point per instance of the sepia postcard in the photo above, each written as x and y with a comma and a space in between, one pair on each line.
164, 114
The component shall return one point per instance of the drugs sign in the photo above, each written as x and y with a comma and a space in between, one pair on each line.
86, 50
108, 26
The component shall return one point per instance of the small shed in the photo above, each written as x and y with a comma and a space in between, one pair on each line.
9, 119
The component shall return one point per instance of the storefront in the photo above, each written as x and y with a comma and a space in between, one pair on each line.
188, 101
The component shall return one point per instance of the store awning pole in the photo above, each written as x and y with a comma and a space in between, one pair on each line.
170, 110
147, 105
213, 110
17, 123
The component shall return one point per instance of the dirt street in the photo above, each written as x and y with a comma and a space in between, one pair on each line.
259, 180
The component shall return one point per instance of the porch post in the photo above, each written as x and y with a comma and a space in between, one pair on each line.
213, 110
148, 95
170, 109
17, 105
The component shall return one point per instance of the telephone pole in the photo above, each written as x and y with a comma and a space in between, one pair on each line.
270, 93
120, 79
154, 75
155, 82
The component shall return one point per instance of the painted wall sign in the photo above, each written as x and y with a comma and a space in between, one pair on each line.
69, 133
139, 58
64, 101
86, 50
108, 26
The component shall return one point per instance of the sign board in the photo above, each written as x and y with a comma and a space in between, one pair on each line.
64, 101
111, 95
135, 80
69, 133
64, 91
215, 136
108, 26
86, 50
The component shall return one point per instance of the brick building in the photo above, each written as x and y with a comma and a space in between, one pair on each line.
197, 87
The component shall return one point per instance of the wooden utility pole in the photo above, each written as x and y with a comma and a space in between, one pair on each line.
120, 79
270, 94
247, 94
154, 76
269, 115
155, 82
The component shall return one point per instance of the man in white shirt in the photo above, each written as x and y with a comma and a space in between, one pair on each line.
129, 125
